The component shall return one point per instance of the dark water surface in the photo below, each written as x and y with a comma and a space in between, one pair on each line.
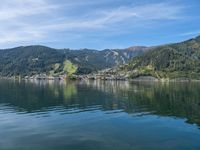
99, 116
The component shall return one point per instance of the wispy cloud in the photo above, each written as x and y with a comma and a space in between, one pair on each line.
18, 19
111, 17
193, 33
26, 21
15, 9
101, 18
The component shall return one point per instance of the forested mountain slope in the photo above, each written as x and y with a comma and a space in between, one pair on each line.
180, 60
31, 60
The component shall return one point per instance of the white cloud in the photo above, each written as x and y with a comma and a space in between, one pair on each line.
131, 14
20, 8
24, 21
18, 19
196, 32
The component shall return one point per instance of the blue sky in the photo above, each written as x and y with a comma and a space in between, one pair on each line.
97, 24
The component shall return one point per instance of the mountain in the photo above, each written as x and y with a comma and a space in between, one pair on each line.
31, 60
92, 60
28, 60
172, 61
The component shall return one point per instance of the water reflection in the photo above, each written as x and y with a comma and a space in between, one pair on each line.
166, 99
180, 100
99, 115
29, 96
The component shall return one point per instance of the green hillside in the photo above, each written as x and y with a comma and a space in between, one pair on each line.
28, 60
180, 60
32, 60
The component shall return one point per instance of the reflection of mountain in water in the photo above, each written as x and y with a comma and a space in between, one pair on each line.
166, 99
174, 99
35, 96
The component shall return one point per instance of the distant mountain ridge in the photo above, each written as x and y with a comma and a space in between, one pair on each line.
92, 60
172, 61
30, 60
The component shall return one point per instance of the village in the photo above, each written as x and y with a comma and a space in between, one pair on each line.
106, 74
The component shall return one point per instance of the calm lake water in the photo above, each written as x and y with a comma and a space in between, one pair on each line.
99, 116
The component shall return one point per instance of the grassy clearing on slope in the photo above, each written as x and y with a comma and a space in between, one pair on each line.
69, 68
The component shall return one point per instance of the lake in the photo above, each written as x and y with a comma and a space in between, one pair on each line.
94, 115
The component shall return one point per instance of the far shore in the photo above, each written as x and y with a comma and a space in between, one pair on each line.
89, 77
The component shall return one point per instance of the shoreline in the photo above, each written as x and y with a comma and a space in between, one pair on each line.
84, 78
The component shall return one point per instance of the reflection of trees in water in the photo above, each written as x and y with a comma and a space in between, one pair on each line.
167, 99
180, 100
69, 91
30, 96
